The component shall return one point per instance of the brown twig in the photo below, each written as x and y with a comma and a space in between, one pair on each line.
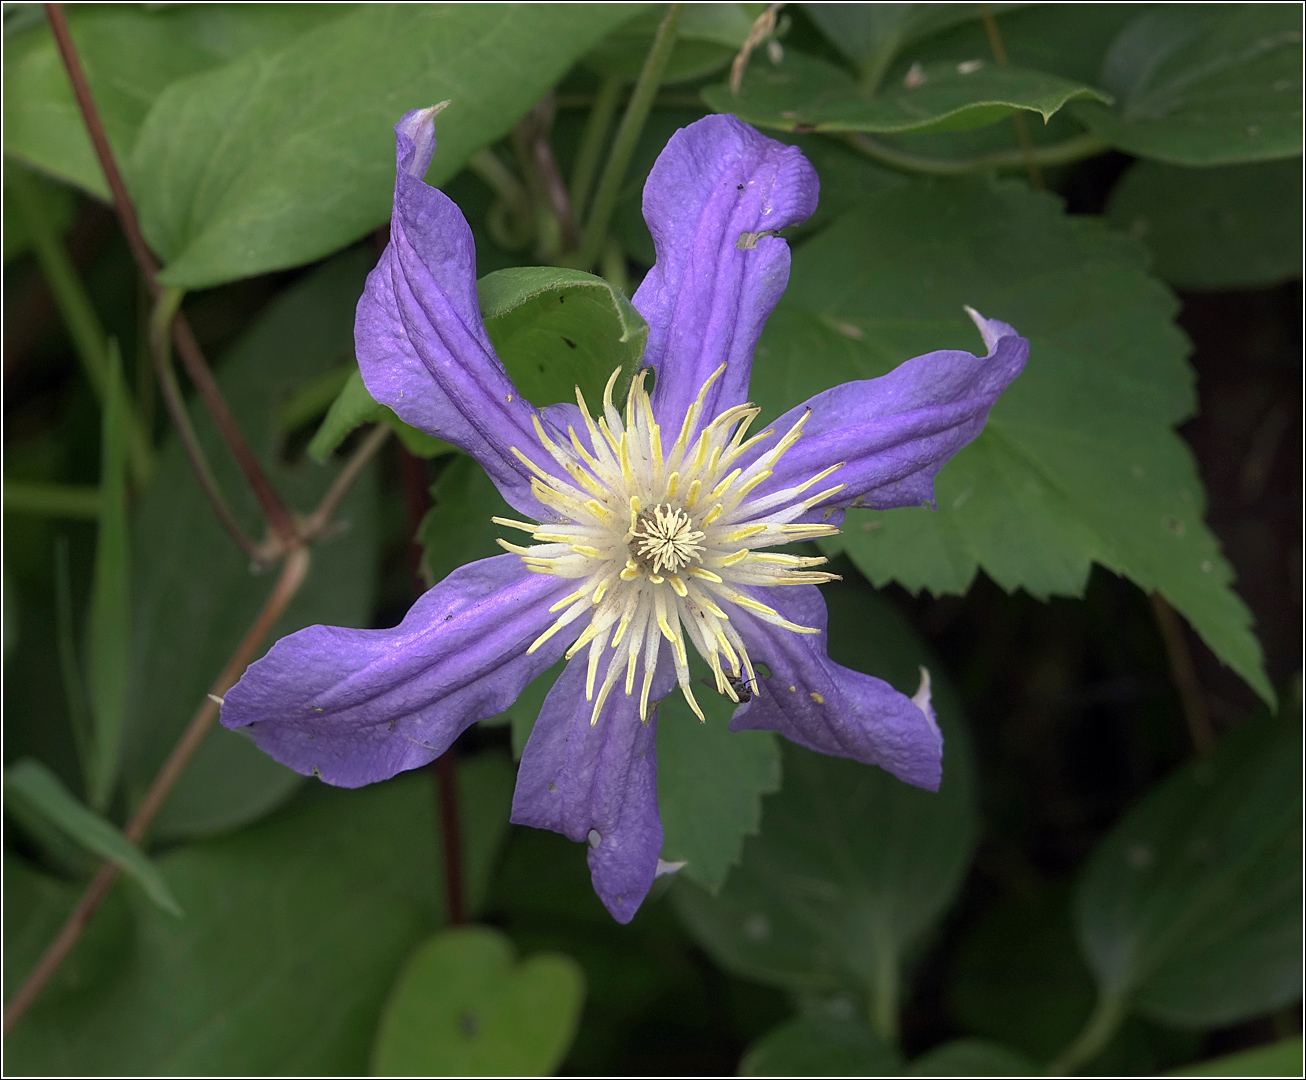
279, 518
554, 187
763, 27
1184, 672
1017, 119
319, 521
292, 577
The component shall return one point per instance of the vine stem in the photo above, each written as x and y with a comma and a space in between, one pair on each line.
1097, 1032
279, 518
293, 572
1184, 672
628, 133
1017, 118
1063, 153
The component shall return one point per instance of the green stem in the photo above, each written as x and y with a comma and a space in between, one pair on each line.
79, 715
884, 992
628, 133
592, 139
52, 500
75, 306
1092, 1040
1062, 153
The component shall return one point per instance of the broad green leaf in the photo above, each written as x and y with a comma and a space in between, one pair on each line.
819, 1045
277, 159
556, 329
1190, 909
1282, 1058
707, 38
870, 35
1079, 462
710, 784
463, 1006
852, 868
972, 1057
803, 93
354, 407
192, 585
33, 783
1236, 227
110, 617
294, 931
1021, 981
457, 529
1209, 84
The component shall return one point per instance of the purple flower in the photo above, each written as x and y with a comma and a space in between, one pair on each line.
649, 519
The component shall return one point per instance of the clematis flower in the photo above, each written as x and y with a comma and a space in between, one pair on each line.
648, 517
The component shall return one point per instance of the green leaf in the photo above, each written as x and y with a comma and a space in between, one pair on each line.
1237, 227
972, 1057
710, 785
33, 783
294, 931
870, 35
852, 868
1282, 1058
707, 38
457, 529
462, 1006
1079, 462
352, 408
1204, 85
278, 159
1190, 909
110, 617
821, 1045
803, 93
192, 585
556, 329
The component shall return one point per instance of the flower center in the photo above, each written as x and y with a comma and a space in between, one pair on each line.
663, 542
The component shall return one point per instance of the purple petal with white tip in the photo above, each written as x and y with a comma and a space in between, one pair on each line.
356, 706
716, 194
597, 784
827, 707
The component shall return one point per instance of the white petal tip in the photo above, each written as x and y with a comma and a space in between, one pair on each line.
665, 867
921, 699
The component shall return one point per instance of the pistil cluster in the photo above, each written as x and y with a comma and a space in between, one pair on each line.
660, 540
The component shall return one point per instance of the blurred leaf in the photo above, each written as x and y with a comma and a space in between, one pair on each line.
556, 329
57, 205
294, 930
707, 38
803, 93
457, 529
462, 1006
192, 585
972, 1057
1237, 227
1283, 1058
1209, 84
852, 868
710, 785
33, 783
870, 35
1079, 462
821, 1045
277, 159
1190, 909
110, 617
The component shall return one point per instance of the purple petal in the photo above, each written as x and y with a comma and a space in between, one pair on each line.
714, 189
357, 706
824, 706
420, 340
597, 784
896, 432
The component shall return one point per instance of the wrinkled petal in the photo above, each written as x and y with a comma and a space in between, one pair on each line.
421, 343
597, 784
824, 706
714, 189
896, 432
357, 706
